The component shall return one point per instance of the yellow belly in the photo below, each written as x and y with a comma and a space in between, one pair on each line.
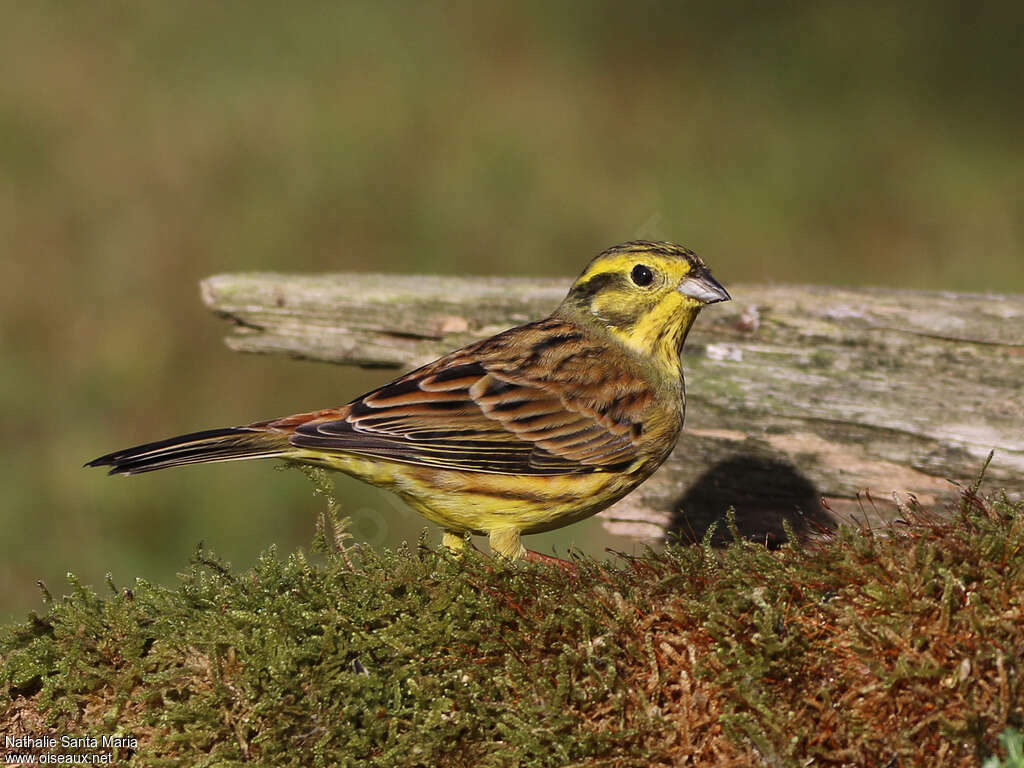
478, 502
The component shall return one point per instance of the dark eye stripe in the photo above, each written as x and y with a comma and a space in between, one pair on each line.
596, 284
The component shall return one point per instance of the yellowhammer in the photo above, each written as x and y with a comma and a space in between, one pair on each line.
532, 429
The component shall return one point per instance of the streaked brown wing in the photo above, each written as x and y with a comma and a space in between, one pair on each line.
519, 403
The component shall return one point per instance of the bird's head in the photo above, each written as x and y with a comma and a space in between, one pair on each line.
646, 294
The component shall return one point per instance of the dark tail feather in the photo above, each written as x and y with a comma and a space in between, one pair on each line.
196, 448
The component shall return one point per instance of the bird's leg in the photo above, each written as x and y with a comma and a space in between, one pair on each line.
455, 542
505, 543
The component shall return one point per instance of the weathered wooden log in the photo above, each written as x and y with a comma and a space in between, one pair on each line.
804, 403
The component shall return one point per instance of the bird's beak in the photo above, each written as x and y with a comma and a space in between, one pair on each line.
701, 286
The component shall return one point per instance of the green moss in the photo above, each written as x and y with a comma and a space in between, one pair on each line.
1012, 742
874, 645
390, 663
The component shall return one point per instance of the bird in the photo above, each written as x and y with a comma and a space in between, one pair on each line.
532, 429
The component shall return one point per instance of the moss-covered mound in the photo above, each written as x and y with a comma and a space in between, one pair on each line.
902, 647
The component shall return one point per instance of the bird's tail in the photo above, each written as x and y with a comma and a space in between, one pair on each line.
228, 444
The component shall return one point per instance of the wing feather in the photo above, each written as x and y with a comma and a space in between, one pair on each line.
530, 401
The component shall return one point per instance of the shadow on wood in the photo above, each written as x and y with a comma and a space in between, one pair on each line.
765, 493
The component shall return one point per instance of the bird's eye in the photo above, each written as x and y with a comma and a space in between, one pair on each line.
642, 275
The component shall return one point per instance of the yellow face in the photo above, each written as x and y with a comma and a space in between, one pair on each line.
647, 295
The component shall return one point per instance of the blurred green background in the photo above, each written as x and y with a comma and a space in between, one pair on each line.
144, 146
